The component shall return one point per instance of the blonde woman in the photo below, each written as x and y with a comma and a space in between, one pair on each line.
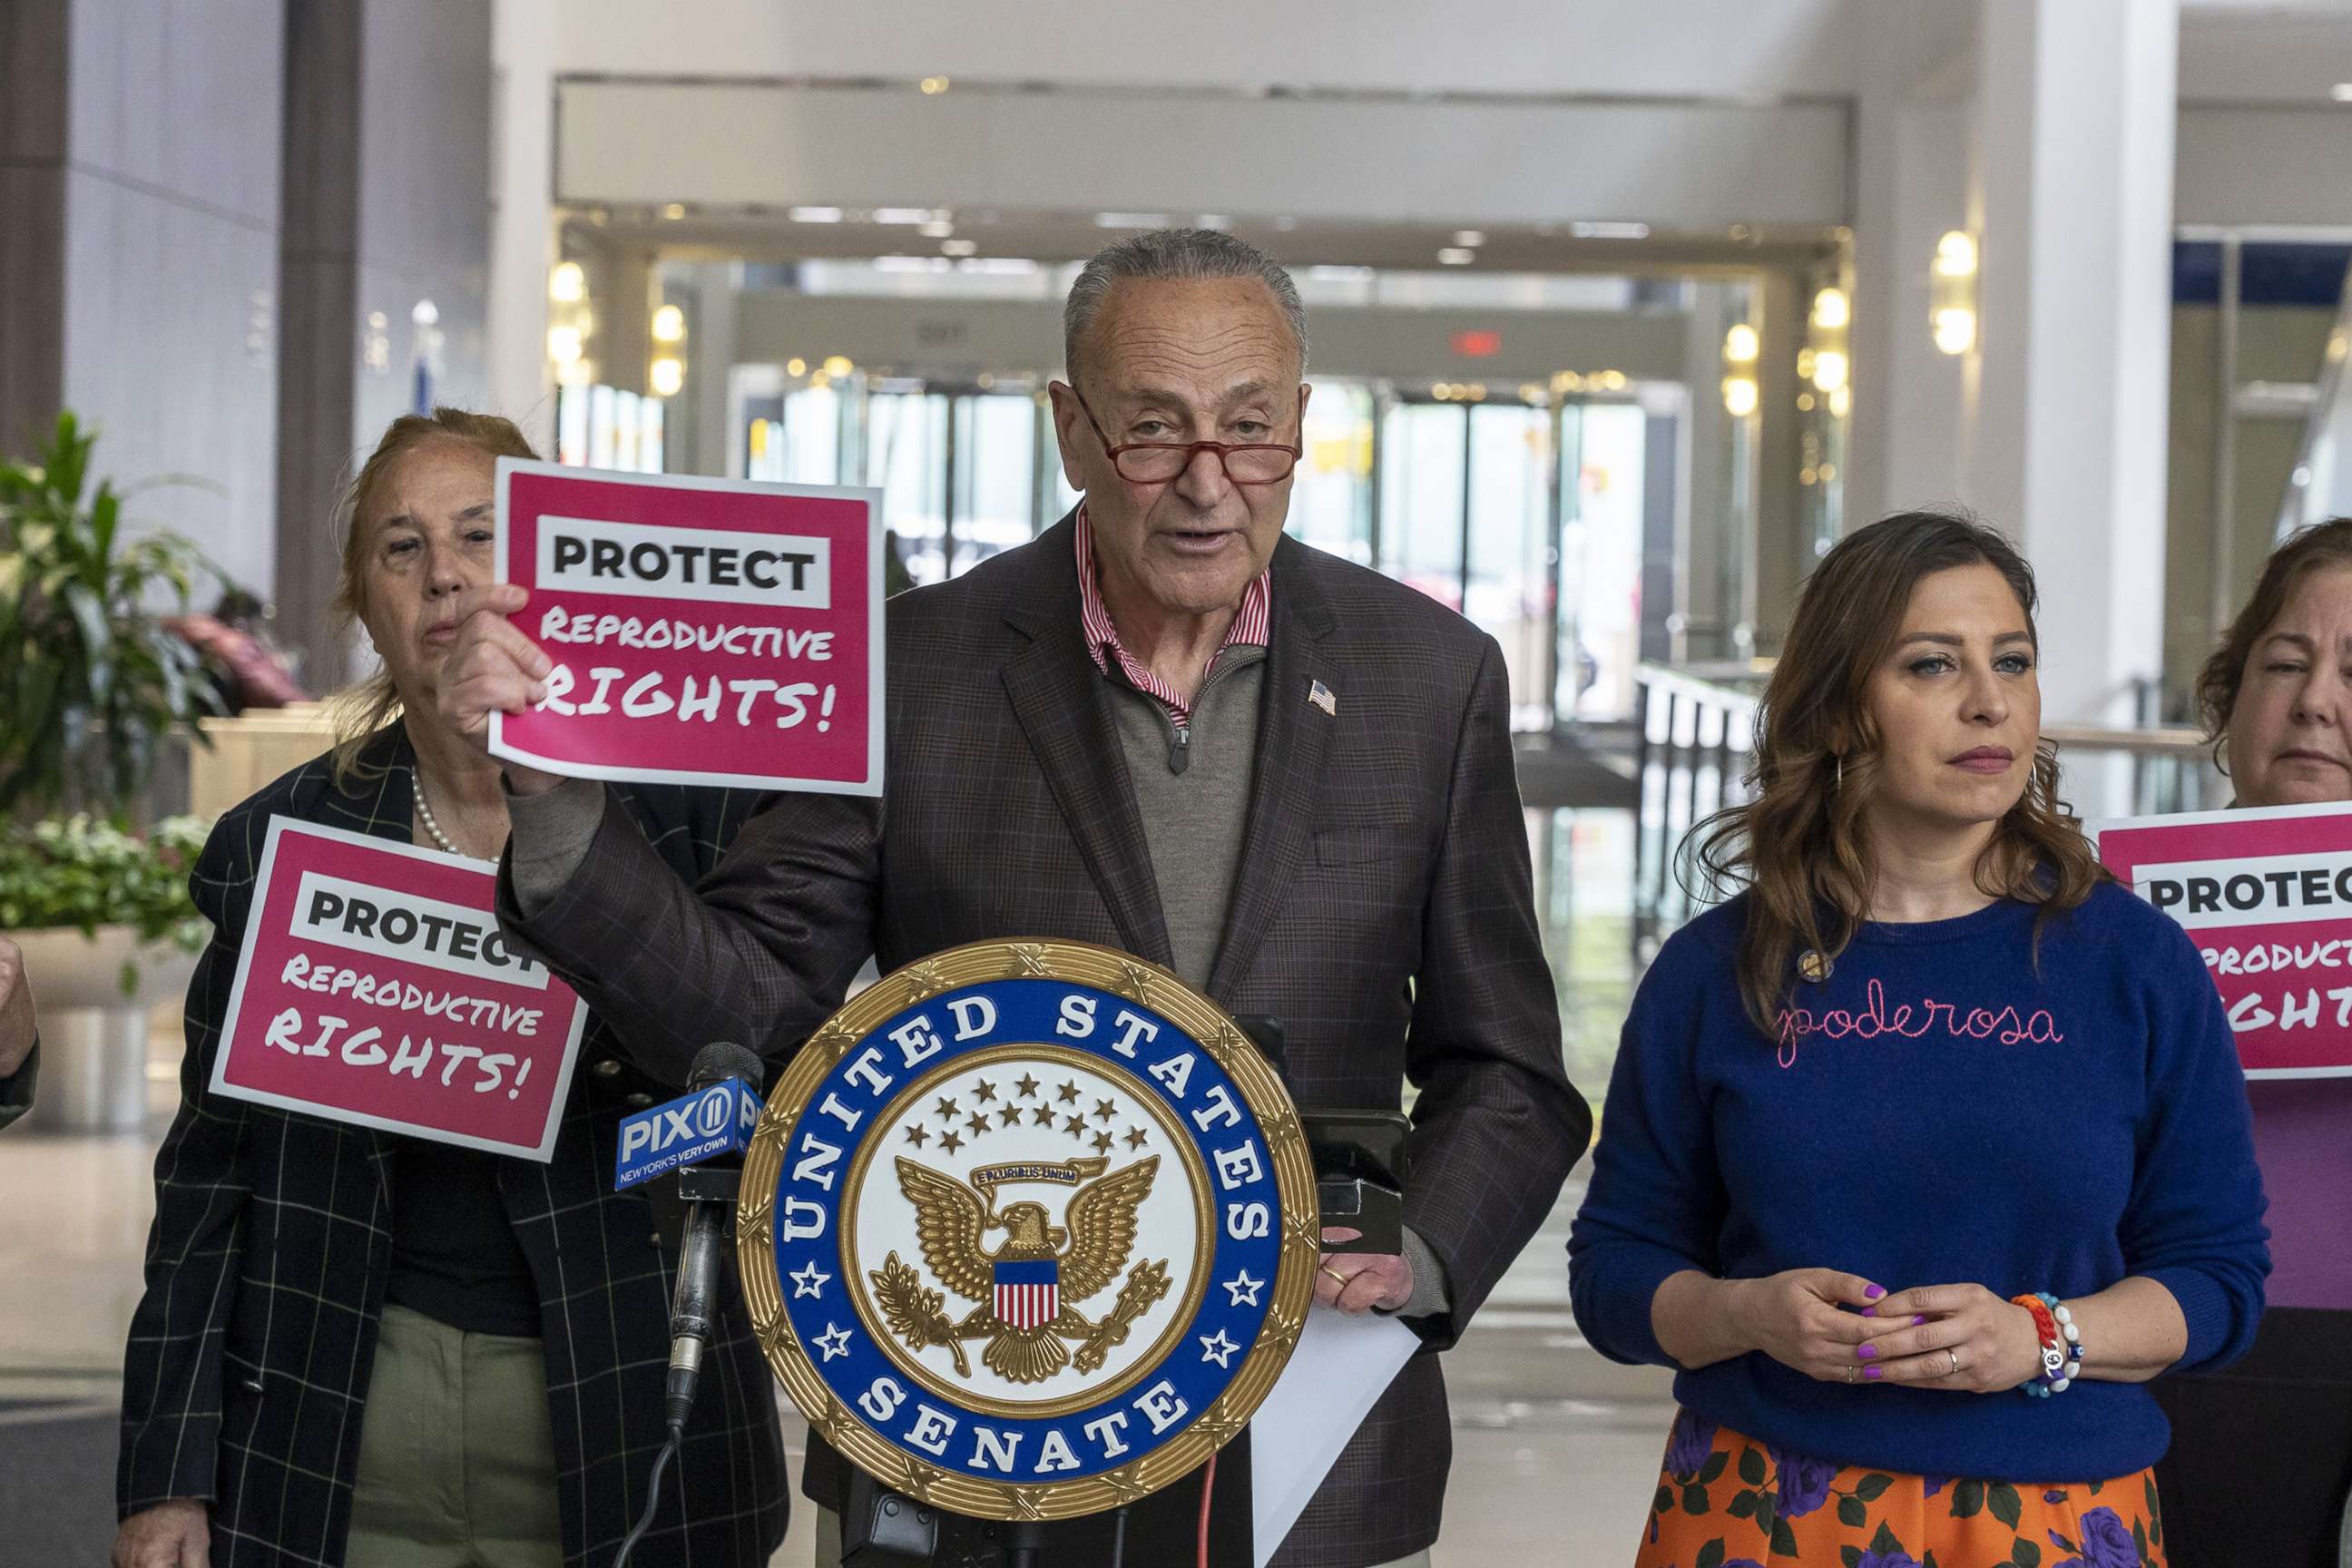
362, 1348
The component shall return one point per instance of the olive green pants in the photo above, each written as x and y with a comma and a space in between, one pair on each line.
457, 1458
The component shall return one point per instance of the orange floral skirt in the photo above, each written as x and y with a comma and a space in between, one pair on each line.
1725, 1500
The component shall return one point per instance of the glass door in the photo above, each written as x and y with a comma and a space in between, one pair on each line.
1332, 501
1424, 461
995, 456
1507, 584
1604, 512
905, 442
1467, 508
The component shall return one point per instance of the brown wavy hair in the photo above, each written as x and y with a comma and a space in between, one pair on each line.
359, 709
2307, 550
1797, 846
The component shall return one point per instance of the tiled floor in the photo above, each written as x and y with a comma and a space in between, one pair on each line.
1555, 1452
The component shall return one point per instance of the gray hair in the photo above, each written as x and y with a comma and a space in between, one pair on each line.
1174, 253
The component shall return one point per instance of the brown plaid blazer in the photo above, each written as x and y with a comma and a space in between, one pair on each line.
1382, 908
246, 1374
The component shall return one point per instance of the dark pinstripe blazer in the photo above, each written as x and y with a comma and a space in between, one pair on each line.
247, 1368
1382, 908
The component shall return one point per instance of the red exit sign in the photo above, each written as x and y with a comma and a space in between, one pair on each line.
1478, 344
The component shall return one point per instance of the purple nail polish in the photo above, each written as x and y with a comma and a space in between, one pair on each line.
1876, 1292
1917, 1321
1870, 1312
1867, 1353
1873, 1372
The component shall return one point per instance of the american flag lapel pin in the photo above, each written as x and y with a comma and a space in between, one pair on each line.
1320, 695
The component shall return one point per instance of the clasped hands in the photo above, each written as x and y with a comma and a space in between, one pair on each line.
1841, 1328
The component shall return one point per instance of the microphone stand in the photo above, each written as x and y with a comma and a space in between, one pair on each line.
709, 1192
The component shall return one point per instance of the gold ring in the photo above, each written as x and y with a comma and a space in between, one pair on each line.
1339, 1279
1956, 1362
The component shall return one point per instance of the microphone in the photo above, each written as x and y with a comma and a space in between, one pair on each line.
693, 1308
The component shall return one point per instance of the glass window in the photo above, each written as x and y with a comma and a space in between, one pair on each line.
995, 467
1421, 498
906, 459
811, 451
1508, 591
1600, 559
1331, 503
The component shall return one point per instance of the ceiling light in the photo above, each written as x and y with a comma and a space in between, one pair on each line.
1956, 255
1841, 402
674, 211
2341, 92
1829, 370
1740, 395
563, 344
959, 247
1455, 256
838, 365
1329, 274
813, 214
1741, 345
1131, 220
1471, 236
567, 284
667, 376
796, 367
1832, 310
934, 85
669, 325
1212, 220
1609, 230
904, 215
937, 228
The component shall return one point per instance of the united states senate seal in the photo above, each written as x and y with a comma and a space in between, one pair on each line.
1028, 1230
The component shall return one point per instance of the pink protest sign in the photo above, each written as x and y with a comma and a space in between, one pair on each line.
376, 988
704, 631
2267, 897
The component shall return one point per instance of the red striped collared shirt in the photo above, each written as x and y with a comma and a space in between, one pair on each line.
1249, 628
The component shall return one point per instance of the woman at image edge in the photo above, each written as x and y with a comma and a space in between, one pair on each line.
367, 1349
2261, 1455
1929, 1066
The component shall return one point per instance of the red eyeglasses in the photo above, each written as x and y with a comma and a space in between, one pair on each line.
1159, 462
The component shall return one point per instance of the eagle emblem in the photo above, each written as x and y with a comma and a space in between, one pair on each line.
1023, 1288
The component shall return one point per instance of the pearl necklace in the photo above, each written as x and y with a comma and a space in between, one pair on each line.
416, 787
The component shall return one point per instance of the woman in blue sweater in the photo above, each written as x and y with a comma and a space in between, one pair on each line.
1927, 1152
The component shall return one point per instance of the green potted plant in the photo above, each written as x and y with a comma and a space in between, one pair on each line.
92, 686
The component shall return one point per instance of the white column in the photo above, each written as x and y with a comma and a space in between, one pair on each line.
709, 363
1913, 122
522, 215
2076, 116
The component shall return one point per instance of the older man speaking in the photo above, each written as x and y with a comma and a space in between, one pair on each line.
1164, 727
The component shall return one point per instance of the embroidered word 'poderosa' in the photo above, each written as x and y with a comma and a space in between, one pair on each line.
2006, 1025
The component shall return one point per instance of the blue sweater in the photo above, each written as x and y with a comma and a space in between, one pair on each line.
1942, 1110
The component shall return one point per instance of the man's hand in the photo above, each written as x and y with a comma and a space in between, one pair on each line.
1359, 1282
175, 1534
16, 1009
494, 668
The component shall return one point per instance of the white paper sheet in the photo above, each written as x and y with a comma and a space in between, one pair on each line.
1337, 1374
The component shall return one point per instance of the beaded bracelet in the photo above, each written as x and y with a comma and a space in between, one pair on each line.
2062, 1344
